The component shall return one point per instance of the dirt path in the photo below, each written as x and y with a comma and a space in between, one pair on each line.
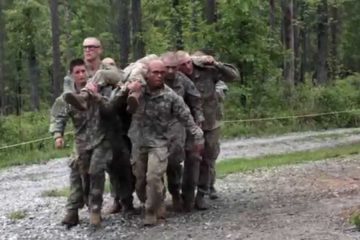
306, 201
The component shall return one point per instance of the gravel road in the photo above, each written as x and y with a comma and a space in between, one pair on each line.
308, 201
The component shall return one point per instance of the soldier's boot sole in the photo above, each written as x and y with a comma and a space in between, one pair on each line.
133, 102
71, 219
78, 101
200, 202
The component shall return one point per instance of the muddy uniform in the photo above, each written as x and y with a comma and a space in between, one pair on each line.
186, 89
150, 131
205, 79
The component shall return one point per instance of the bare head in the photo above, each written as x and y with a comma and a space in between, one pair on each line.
155, 74
185, 64
108, 62
171, 64
92, 49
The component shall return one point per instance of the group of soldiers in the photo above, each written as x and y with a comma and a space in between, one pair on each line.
158, 117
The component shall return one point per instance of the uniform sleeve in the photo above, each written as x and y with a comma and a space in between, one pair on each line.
228, 72
221, 89
59, 116
182, 113
193, 100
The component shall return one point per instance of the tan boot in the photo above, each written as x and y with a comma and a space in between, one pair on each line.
200, 202
95, 219
133, 101
150, 218
114, 208
161, 212
78, 101
71, 219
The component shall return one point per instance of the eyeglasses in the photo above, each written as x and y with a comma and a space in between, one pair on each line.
90, 47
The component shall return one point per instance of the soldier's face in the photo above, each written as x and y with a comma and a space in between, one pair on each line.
170, 67
79, 75
186, 65
155, 75
92, 49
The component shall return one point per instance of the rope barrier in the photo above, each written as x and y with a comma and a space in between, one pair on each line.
225, 121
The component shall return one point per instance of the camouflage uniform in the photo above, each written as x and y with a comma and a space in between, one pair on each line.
205, 79
79, 181
149, 131
186, 89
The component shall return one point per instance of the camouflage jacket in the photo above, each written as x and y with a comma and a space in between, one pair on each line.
60, 113
150, 122
186, 89
205, 79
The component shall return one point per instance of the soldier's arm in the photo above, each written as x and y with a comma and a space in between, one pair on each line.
228, 72
59, 116
193, 100
182, 113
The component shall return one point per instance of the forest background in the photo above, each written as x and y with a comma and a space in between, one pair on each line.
296, 57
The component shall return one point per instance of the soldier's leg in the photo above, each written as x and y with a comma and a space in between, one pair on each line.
100, 157
102, 77
190, 176
174, 169
139, 167
156, 168
212, 155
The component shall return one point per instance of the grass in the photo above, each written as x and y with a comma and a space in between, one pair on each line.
17, 215
64, 192
246, 164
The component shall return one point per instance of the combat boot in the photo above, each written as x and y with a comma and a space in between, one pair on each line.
127, 205
200, 202
71, 219
213, 194
176, 202
161, 212
114, 208
133, 101
187, 202
78, 101
150, 218
95, 219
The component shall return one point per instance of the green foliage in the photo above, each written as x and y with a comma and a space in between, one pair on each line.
355, 220
56, 193
17, 215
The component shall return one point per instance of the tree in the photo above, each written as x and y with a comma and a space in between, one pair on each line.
322, 43
2, 59
210, 11
177, 31
124, 32
288, 38
137, 35
56, 66
272, 14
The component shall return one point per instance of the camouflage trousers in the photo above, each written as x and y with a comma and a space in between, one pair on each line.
197, 169
176, 157
149, 167
109, 76
122, 180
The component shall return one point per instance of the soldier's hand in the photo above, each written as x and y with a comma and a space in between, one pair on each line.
92, 87
59, 143
209, 60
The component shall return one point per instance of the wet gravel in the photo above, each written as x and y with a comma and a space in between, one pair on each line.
305, 201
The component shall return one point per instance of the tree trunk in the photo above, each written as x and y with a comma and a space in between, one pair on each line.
34, 75
321, 68
2, 60
56, 66
289, 62
124, 32
137, 34
272, 14
335, 28
177, 26
303, 43
69, 52
210, 11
